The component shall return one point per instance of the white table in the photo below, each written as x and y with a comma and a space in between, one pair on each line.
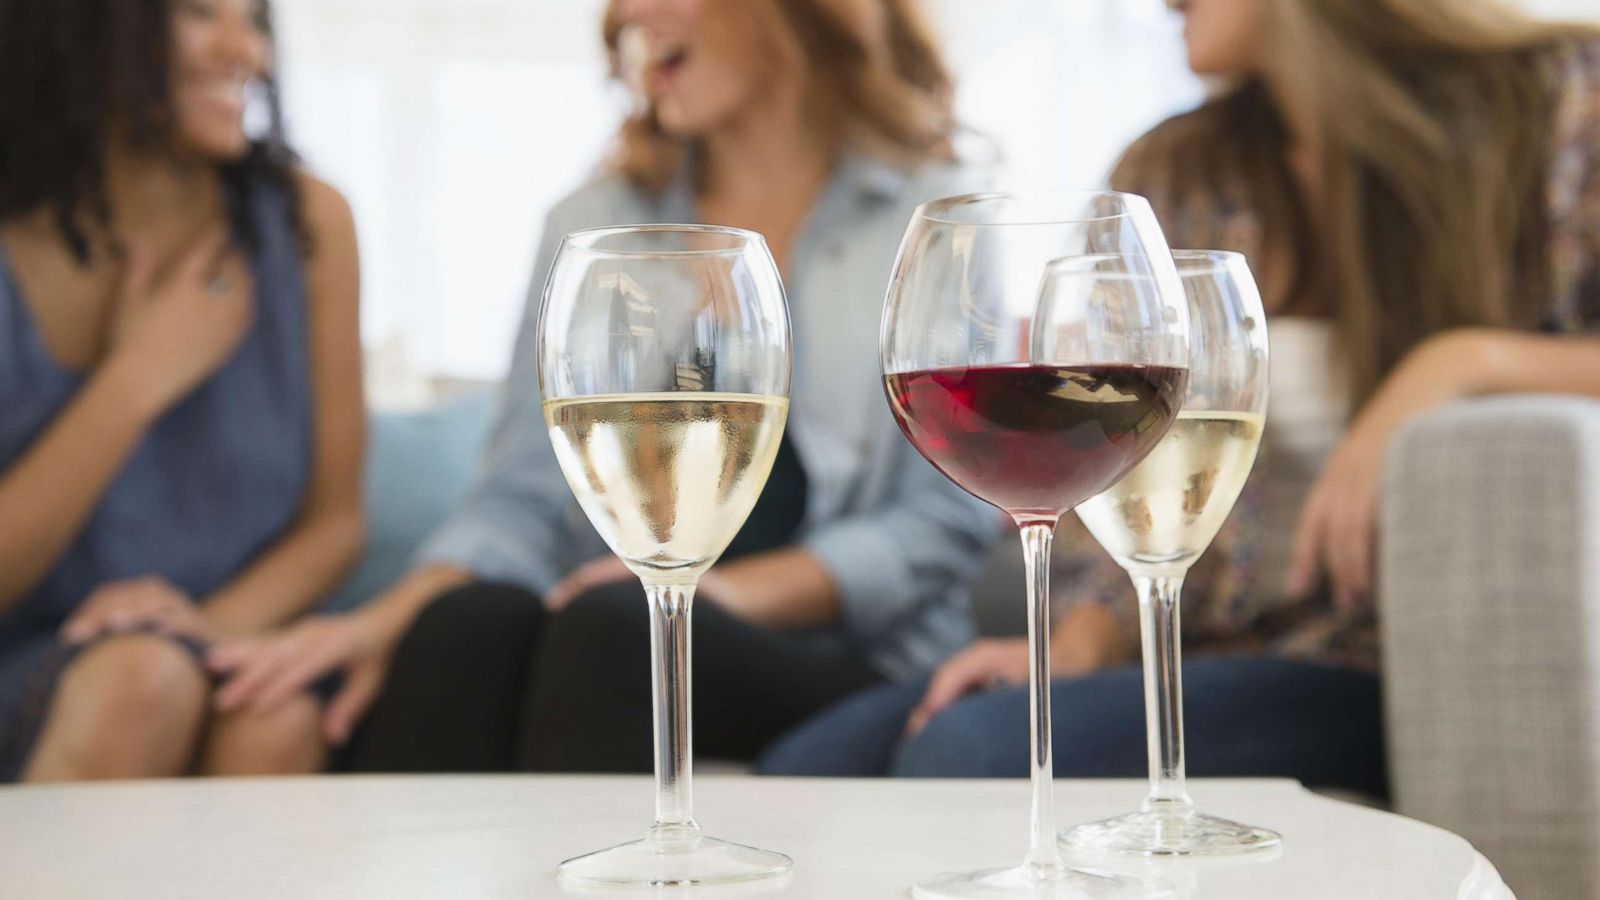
395, 838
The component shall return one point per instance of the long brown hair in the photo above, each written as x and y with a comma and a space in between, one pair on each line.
875, 74
1435, 120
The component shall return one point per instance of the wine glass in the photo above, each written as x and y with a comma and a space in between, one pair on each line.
1031, 410
664, 357
1157, 521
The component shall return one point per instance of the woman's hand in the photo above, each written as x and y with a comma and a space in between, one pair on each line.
601, 570
987, 664
1338, 527
148, 602
1086, 638
263, 672
173, 329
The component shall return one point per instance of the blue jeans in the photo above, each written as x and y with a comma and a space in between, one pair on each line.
1244, 717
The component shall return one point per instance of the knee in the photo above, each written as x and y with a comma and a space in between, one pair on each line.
141, 678
962, 743
855, 738
281, 741
604, 614
597, 646
468, 614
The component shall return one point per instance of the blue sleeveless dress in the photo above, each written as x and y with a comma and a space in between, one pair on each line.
214, 482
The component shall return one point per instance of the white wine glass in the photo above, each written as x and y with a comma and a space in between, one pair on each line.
1157, 521
664, 357
1033, 411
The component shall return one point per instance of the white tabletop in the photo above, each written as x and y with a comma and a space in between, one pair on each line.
468, 837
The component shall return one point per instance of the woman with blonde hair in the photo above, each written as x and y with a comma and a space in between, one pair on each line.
517, 641
1416, 184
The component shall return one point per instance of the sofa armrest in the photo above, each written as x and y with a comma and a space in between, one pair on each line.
1490, 585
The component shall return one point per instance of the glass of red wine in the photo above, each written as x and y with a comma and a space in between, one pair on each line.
1034, 400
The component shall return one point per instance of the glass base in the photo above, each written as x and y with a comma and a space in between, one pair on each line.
673, 857
1020, 882
1169, 833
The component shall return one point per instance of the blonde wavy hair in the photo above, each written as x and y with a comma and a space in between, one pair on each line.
1435, 122
874, 72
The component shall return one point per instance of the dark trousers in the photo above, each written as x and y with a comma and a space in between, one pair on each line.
487, 681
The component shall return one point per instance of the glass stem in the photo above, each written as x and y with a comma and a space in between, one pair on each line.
669, 657
1044, 858
1161, 631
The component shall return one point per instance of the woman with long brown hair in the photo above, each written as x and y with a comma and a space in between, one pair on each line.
1416, 184
820, 124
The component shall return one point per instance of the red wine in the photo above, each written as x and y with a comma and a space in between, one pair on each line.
1036, 440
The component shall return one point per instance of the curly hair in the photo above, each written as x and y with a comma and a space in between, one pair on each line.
875, 65
77, 75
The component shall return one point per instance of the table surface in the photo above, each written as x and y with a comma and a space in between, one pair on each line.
501, 836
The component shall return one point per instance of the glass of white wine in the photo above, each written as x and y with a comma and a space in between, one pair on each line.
664, 356
1158, 520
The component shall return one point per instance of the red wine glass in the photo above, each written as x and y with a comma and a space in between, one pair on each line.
1034, 401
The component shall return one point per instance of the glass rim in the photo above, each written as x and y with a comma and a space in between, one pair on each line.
584, 240
1189, 264
937, 210
1195, 263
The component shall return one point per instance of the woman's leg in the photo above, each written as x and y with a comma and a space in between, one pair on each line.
453, 698
589, 706
855, 738
1243, 717
129, 706
285, 741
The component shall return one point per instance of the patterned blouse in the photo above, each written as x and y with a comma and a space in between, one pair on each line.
1233, 602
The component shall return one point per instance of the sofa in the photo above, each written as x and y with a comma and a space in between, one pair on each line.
1490, 603
418, 466
1490, 585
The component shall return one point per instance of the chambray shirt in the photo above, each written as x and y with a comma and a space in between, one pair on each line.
899, 540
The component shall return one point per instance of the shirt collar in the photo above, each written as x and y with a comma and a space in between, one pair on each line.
858, 173
871, 176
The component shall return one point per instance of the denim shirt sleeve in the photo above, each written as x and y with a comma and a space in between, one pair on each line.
923, 538
514, 522
902, 560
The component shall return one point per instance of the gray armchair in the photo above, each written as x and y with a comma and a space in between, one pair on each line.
1490, 586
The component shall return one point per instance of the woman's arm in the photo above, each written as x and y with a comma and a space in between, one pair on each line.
864, 571
47, 496
171, 331
1497, 361
783, 589
1337, 531
328, 534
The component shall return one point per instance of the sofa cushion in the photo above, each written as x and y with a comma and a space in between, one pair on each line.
419, 465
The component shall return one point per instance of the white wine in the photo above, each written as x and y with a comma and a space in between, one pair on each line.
667, 479
1166, 511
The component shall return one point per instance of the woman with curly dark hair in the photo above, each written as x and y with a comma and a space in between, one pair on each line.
180, 400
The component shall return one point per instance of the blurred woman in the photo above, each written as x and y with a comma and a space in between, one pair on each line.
820, 124
180, 444
1417, 186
